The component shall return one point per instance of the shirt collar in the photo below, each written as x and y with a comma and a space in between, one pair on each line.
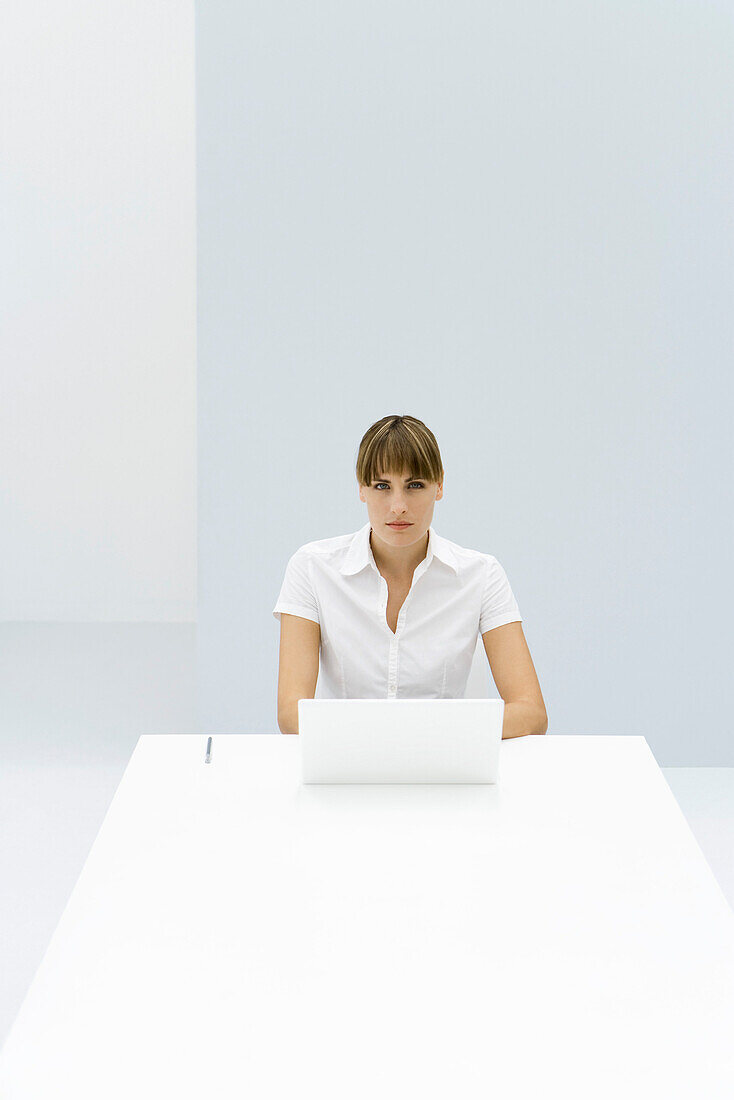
360, 552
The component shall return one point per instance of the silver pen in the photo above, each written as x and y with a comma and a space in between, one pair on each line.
208, 757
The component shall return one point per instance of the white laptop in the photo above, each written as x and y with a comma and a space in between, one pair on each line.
400, 740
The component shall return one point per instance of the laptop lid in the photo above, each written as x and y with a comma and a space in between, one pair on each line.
400, 740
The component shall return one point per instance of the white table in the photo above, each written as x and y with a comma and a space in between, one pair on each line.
236, 934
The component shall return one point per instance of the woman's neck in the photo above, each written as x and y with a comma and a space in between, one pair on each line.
399, 568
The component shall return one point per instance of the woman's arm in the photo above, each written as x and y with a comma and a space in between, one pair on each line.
298, 667
514, 674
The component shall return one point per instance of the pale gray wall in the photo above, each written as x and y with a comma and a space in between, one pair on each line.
514, 222
97, 312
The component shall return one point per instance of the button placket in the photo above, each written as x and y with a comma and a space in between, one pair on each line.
392, 676
392, 683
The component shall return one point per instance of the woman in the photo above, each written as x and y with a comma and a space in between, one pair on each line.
393, 610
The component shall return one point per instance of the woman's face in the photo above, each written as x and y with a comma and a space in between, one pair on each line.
398, 497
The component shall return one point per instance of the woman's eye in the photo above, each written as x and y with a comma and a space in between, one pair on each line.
418, 483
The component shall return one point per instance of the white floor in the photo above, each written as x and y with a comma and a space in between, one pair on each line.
74, 698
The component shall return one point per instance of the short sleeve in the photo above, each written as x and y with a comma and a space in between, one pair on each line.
297, 596
499, 606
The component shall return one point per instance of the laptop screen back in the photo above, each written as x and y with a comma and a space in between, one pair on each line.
400, 740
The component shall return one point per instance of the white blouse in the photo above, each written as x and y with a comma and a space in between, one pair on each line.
455, 596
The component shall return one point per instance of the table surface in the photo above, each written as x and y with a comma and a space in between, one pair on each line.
236, 933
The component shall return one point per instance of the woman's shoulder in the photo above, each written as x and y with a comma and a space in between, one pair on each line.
325, 547
463, 555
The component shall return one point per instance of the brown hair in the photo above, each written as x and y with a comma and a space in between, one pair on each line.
396, 444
